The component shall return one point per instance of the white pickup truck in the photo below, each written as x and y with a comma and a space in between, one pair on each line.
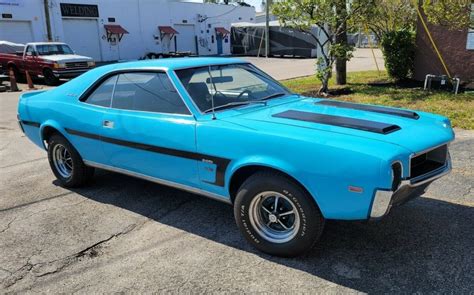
51, 60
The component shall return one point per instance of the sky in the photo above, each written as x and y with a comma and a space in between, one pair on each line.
256, 3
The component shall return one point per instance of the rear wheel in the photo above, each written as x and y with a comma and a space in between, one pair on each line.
49, 78
66, 163
276, 215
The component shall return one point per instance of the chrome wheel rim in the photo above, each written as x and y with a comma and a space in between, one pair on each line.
274, 216
62, 160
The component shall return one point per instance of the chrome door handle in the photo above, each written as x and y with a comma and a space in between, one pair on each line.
108, 124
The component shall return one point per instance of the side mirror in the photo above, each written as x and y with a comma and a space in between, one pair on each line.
29, 53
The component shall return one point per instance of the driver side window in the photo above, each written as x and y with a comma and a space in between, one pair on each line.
30, 50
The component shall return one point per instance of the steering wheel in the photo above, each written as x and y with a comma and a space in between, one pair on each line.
243, 92
220, 93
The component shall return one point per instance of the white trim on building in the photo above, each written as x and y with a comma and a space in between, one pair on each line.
81, 24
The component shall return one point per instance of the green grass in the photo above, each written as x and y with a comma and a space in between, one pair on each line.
458, 108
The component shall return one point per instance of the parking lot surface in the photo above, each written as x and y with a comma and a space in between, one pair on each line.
122, 234
288, 68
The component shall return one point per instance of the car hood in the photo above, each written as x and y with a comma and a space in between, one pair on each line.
66, 58
415, 133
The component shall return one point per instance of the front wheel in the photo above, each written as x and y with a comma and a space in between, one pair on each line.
49, 78
276, 215
66, 163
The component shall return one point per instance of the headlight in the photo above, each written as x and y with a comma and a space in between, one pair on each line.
91, 63
59, 65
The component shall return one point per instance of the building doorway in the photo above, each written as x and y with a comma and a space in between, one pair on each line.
83, 37
186, 38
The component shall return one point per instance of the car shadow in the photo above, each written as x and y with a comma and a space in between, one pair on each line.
424, 246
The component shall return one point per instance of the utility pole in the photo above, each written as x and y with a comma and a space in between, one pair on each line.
48, 21
267, 28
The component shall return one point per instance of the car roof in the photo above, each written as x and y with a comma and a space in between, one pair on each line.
174, 63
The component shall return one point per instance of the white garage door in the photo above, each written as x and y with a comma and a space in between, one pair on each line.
82, 35
185, 39
16, 31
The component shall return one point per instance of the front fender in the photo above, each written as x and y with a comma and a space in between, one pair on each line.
281, 165
330, 192
260, 160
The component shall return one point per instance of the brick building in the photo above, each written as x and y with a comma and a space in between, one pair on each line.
456, 48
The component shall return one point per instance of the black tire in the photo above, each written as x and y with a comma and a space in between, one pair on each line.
311, 221
49, 78
79, 172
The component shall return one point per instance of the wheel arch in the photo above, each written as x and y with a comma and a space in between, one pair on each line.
49, 128
11, 65
243, 172
45, 67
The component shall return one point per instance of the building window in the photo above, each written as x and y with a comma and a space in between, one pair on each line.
470, 32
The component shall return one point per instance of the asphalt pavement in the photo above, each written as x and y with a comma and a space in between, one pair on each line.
122, 234
289, 68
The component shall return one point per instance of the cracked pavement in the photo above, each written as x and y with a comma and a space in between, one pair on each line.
127, 235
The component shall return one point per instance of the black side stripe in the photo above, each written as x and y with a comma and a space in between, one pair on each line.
30, 123
365, 125
221, 163
370, 108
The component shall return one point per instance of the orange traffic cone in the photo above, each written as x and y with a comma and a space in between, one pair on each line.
30, 82
13, 85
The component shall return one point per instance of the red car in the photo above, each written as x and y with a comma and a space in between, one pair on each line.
51, 60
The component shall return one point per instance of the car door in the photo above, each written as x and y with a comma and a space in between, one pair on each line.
30, 61
149, 130
83, 123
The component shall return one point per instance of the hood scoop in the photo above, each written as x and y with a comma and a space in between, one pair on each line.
369, 108
347, 122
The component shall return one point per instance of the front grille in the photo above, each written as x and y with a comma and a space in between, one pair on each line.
79, 64
426, 162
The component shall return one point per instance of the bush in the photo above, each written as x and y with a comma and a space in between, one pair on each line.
399, 52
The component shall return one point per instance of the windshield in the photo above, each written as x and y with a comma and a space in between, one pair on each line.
231, 86
51, 49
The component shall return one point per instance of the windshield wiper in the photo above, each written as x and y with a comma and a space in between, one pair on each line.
235, 103
272, 96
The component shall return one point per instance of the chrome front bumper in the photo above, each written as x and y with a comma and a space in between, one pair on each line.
70, 73
408, 189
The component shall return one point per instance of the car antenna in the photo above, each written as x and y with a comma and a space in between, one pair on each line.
212, 94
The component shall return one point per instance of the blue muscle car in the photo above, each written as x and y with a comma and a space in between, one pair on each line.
222, 128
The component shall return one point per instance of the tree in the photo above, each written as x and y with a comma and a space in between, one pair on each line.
388, 16
397, 15
333, 18
452, 14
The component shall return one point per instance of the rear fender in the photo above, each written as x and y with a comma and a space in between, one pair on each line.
52, 124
